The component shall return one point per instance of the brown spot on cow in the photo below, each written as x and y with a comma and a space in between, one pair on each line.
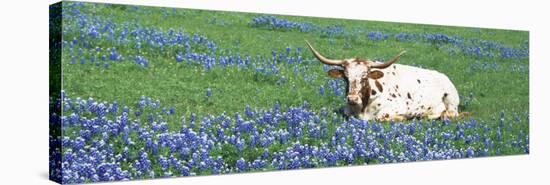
378, 86
373, 92
365, 91
397, 86
393, 95
379, 104
409, 96
418, 80
394, 67
393, 73
375, 74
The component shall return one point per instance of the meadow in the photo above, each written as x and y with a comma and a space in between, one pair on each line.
160, 92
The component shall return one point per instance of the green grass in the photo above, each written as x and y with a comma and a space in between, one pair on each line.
184, 86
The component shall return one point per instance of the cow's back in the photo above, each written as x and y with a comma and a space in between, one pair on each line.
411, 91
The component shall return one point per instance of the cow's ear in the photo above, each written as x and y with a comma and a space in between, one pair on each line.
376, 74
336, 73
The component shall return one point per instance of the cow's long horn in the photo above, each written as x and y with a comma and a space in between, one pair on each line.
322, 58
388, 63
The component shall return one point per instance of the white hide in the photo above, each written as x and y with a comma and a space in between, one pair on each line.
426, 88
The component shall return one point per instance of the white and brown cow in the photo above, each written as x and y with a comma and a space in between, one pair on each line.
388, 91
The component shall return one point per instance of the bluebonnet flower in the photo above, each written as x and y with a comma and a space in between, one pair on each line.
179, 58
141, 61
241, 165
93, 33
377, 36
470, 153
113, 55
208, 92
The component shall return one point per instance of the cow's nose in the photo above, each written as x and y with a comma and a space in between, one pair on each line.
353, 99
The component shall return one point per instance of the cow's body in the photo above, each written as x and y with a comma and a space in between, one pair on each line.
409, 92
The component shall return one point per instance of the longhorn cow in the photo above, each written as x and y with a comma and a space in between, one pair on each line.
387, 91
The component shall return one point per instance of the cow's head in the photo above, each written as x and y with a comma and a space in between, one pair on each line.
356, 73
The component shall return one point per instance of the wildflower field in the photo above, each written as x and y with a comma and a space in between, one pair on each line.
151, 92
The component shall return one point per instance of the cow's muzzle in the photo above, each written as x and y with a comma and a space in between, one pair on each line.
354, 100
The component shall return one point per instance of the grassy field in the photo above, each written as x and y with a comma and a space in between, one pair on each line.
489, 67
184, 86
